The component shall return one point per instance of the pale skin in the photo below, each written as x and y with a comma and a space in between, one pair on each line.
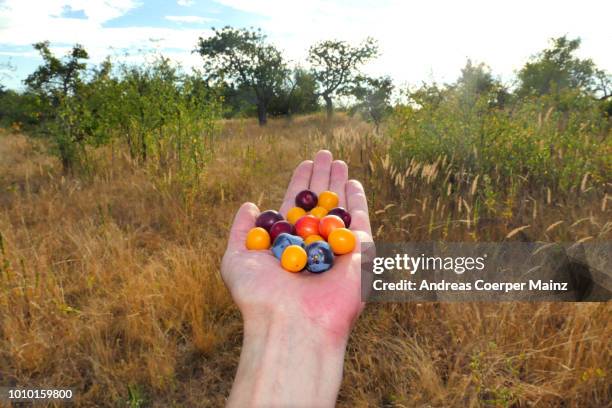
296, 325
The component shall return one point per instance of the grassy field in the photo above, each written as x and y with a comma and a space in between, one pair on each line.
110, 282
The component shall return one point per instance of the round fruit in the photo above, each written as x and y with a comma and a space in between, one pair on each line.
328, 224
318, 212
295, 214
343, 214
341, 240
267, 218
294, 258
313, 238
320, 257
258, 238
307, 225
306, 199
278, 228
283, 241
328, 200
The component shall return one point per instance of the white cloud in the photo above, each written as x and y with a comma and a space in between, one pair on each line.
20, 11
418, 40
432, 40
44, 22
189, 19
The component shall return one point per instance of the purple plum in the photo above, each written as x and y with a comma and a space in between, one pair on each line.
267, 218
306, 199
343, 214
280, 227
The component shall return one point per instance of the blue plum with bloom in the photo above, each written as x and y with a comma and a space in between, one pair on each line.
283, 240
320, 257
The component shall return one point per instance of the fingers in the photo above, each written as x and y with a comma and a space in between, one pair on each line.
321, 171
357, 205
299, 181
365, 246
360, 221
243, 222
355, 196
338, 179
367, 251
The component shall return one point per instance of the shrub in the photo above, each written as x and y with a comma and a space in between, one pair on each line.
547, 141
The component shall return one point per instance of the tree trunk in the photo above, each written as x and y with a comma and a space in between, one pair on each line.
66, 161
130, 143
262, 114
143, 141
67, 155
329, 107
143, 147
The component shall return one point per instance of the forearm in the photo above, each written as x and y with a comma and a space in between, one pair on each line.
287, 362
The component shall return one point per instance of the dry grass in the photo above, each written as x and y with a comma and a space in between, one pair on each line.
109, 284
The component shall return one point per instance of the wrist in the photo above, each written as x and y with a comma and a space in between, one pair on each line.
285, 323
282, 349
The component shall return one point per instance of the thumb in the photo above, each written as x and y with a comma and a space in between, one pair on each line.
243, 222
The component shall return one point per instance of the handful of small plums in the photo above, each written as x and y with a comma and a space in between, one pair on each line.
316, 229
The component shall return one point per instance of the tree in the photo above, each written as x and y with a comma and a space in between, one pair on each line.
237, 100
56, 78
603, 84
557, 68
298, 95
475, 82
242, 56
374, 98
57, 83
334, 64
148, 96
475, 79
303, 95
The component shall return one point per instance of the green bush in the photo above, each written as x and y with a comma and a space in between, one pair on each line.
546, 141
167, 118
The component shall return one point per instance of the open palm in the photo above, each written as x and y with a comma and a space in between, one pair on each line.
260, 286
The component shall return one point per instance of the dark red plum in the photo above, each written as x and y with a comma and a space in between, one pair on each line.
343, 214
280, 227
306, 199
267, 218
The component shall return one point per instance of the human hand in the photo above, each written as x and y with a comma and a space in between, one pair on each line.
295, 325
261, 287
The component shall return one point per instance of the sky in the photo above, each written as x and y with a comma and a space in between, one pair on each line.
419, 41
